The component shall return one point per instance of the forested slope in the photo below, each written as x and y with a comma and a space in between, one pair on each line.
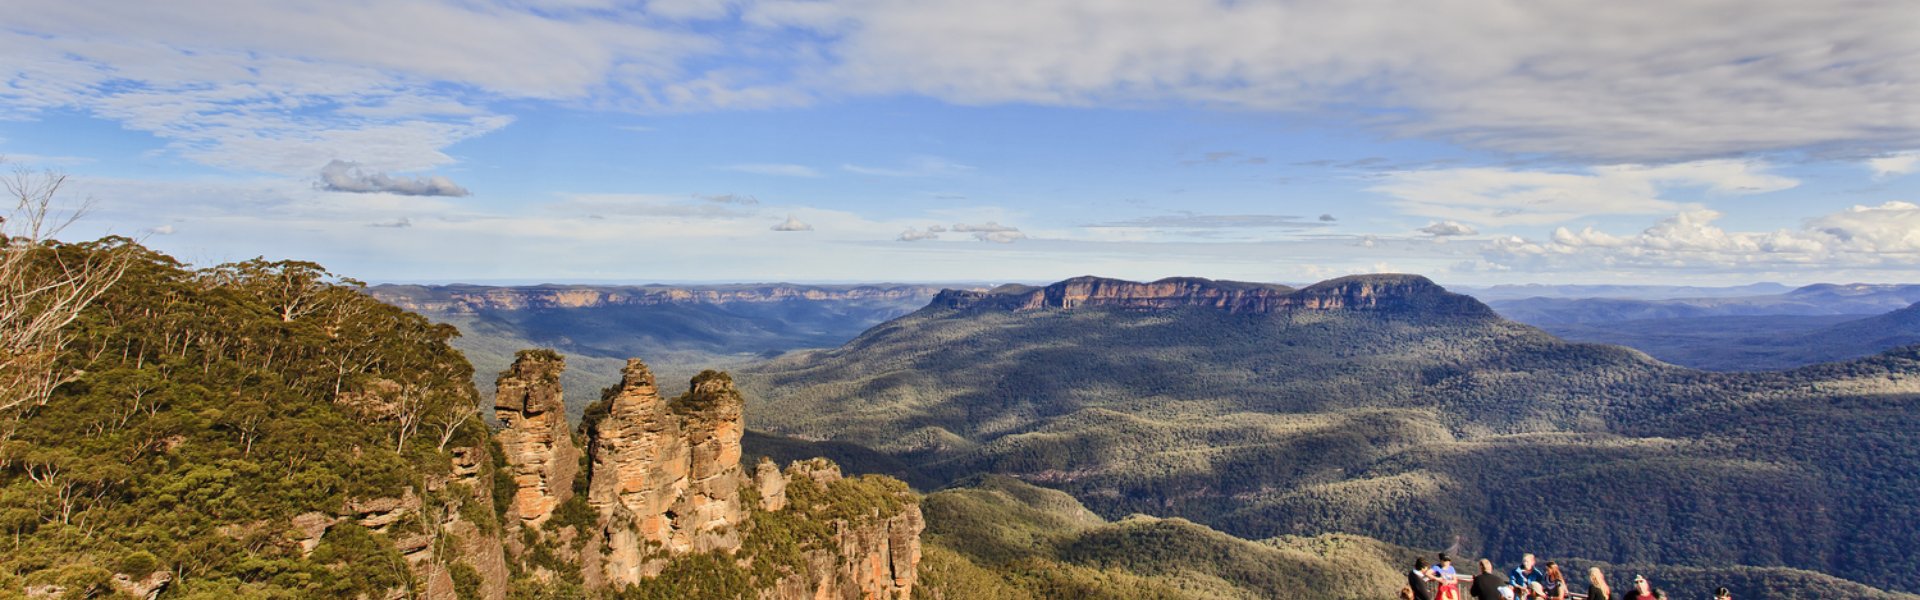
218, 412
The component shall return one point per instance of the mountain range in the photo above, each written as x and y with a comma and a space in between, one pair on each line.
1382, 406
1818, 299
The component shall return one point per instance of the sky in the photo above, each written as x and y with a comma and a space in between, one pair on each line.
1701, 142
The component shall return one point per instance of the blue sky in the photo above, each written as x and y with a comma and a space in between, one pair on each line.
1474, 141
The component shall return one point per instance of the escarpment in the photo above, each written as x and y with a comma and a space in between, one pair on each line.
664, 487
1385, 293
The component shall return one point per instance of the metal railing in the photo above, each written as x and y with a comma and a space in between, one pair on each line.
1466, 581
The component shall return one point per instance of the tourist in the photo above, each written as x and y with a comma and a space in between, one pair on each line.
1643, 589
1723, 594
1417, 580
1554, 587
1486, 585
1448, 577
1524, 576
1597, 585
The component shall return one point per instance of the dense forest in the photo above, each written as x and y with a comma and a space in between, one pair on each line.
204, 409
1419, 428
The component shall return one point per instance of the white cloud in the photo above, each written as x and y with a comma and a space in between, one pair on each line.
1882, 236
342, 176
991, 231
1496, 196
778, 170
792, 224
915, 235
1441, 229
1648, 82
161, 230
1895, 165
285, 86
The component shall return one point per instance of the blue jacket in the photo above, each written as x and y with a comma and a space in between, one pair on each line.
1523, 577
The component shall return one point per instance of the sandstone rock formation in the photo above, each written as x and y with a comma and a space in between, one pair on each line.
771, 485
666, 475
1360, 292
537, 440
665, 480
711, 413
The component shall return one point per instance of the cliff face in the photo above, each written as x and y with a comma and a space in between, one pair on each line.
467, 299
537, 440
1359, 293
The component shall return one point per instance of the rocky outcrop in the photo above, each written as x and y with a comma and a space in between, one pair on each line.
431, 536
665, 481
469, 299
666, 475
147, 587
1079, 292
877, 557
711, 414
770, 484
536, 439
1386, 293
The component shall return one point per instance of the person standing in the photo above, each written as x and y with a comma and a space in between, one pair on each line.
1486, 585
1597, 585
1643, 589
1418, 578
1554, 586
1448, 577
1722, 594
1524, 576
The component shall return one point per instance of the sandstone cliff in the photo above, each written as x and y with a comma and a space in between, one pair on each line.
1386, 292
537, 441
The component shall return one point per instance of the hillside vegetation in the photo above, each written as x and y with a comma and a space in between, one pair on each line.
1424, 422
215, 405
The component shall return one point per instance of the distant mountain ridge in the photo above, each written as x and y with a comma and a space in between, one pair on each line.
1523, 291
680, 329
1359, 292
1817, 299
460, 298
